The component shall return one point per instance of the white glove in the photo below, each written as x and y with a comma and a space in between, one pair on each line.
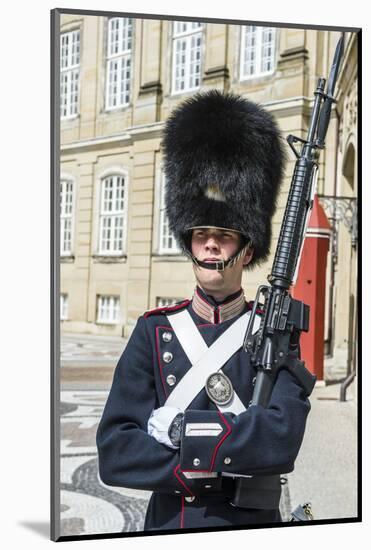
159, 424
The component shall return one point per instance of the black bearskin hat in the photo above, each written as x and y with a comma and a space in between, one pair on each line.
224, 161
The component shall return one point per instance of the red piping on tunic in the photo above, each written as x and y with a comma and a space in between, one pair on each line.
250, 305
159, 362
166, 309
180, 481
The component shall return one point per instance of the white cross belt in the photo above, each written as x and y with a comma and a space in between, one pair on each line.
205, 360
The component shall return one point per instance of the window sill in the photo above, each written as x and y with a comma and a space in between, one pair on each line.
186, 92
67, 259
101, 258
256, 78
116, 109
179, 257
70, 118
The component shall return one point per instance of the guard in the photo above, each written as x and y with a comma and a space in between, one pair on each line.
177, 421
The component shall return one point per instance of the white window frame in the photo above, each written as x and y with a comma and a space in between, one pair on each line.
186, 36
70, 74
122, 56
66, 217
163, 223
258, 71
111, 307
63, 306
113, 214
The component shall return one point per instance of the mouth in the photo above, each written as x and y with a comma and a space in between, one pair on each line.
212, 259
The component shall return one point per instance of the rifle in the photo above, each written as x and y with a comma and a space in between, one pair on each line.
276, 343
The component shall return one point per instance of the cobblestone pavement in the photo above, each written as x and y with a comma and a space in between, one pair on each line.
90, 349
88, 506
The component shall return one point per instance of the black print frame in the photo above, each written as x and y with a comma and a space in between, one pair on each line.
115, 79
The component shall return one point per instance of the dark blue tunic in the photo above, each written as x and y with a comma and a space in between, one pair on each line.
256, 442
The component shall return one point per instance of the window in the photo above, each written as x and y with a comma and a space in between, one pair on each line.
64, 307
108, 310
162, 301
66, 217
111, 222
167, 242
70, 70
258, 46
119, 62
187, 40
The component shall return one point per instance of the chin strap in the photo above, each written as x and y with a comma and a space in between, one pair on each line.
220, 265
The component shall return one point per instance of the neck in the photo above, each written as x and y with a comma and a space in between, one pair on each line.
220, 296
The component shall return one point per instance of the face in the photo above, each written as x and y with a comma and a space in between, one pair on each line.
213, 244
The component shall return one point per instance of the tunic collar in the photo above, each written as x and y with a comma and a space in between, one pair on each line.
207, 308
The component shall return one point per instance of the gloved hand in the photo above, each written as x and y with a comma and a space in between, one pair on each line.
159, 423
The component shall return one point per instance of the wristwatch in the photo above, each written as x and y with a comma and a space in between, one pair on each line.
175, 429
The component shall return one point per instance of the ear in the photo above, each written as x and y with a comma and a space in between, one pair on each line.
248, 256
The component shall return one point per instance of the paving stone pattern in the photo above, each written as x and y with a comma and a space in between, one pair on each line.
87, 505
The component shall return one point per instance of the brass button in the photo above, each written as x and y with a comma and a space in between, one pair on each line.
167, 336
227, 460
167, 356
196, 462
171, 379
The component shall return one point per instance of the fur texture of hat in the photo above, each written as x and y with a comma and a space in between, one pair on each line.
224, 161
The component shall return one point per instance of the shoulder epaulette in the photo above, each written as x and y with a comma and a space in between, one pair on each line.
259, 310
164, 310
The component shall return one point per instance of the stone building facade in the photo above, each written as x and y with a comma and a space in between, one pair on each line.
120, 78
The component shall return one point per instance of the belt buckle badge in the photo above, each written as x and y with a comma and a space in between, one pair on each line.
219, 388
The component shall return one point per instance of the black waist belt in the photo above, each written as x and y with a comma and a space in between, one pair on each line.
260, 492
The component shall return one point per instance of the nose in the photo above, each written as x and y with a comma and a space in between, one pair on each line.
212, 243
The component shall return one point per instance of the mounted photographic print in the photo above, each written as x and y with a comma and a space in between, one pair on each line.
205, 183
